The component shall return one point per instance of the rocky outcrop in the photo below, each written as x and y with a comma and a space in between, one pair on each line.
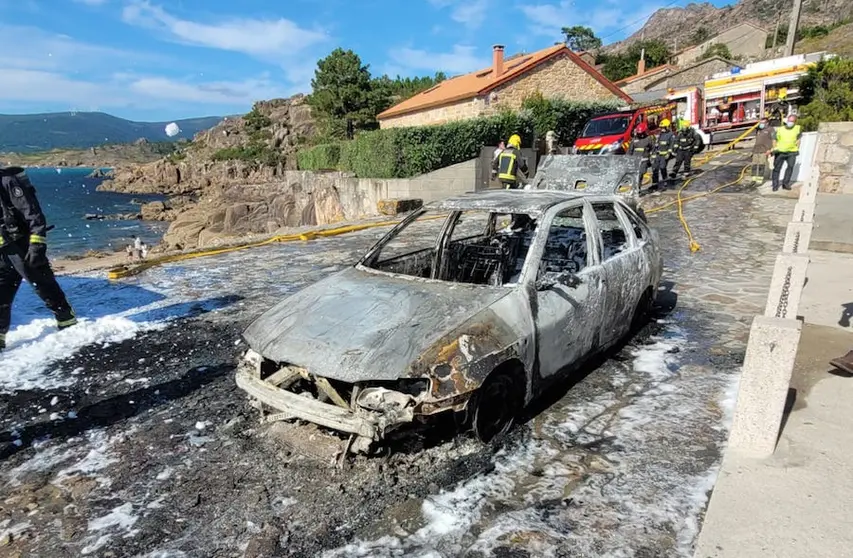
277, 125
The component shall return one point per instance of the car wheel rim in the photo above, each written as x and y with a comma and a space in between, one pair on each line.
495, 409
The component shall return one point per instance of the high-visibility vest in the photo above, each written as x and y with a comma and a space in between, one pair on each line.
508, 165
786, 138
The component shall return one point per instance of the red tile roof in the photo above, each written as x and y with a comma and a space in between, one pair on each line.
647, 73
479, 83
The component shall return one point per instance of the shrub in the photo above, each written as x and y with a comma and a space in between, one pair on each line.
251, 153
566, 118
325, 156
827, 92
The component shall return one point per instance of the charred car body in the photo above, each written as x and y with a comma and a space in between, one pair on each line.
454, 311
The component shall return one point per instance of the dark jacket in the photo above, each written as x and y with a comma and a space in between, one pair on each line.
22, 217
665, 145
642, 147
763, 140
689, 139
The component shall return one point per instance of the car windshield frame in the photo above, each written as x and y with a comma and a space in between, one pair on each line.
369, 259
626, 117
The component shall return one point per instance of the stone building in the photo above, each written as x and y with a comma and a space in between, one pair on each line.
639, 81
689, 76
555, 72
745, 39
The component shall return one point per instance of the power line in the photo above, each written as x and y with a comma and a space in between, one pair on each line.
644, 18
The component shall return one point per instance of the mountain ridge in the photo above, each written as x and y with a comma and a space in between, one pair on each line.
28, 133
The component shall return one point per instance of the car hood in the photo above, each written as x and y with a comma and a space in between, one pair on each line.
357, 325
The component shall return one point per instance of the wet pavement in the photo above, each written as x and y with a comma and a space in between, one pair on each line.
145, 447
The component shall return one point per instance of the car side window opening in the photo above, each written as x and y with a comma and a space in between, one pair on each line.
614, 239
411, 250
635, 224
566, 245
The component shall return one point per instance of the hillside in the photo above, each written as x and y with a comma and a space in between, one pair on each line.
138, 152
677, 26
838, 41
28, 133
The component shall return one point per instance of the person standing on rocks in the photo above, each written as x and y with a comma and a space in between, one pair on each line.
786, 147
23, 251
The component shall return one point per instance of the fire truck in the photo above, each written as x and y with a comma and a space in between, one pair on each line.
610, 133
731, 102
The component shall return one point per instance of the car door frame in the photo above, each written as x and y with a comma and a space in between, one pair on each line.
618, 310
588, 334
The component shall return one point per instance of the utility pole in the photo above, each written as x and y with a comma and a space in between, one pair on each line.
792, 27
776, 33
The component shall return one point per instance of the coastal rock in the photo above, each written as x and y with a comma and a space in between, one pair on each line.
100, 173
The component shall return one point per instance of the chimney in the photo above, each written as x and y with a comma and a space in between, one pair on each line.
641, 64
497, 61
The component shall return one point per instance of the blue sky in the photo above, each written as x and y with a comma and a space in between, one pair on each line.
157, 60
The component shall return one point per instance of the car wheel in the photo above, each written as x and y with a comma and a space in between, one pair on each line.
498, 401
643, 311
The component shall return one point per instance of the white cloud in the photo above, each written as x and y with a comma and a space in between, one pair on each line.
263, 38
606, 17
44, 68
470, 13
461, 60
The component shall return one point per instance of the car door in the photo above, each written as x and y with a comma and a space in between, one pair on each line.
567, 315
622, 261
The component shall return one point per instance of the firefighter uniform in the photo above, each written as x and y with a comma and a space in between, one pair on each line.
688, 142
23, 247
642, 145
509, 162
786, 150
663, 151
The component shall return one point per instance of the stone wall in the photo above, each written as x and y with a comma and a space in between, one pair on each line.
691, 76
834, 157
556, 78
304, 198
460, 110
641, 83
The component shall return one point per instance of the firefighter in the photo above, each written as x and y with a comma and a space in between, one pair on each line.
23, 251
642, 145
509, 162
761, 151
662, 153
688, 142
786, 147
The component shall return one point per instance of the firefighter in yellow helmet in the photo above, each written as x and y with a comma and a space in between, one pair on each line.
662, 154
509, 163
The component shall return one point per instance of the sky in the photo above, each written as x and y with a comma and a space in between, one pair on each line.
152, 60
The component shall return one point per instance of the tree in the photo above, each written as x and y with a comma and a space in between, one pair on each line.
717, 49
620, 66
580, 38
342, 95
699, 36
827, 92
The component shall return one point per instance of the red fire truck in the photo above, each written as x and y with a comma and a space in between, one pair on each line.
610, 133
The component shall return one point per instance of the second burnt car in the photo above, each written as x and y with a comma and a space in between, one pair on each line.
468, 306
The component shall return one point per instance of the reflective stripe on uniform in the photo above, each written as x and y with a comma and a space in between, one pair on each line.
506, 166
36, 239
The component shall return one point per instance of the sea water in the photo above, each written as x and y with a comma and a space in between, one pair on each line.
67, 195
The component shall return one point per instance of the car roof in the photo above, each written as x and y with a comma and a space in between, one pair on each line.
530, 202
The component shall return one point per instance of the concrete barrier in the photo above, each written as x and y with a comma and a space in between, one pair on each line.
797, 237
764, 384
786, 286
804, 212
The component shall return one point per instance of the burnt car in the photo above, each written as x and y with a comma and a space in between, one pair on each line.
470, 305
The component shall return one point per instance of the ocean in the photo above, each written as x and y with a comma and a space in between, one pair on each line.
67, 196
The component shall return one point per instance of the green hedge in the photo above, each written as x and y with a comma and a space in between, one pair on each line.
406, 152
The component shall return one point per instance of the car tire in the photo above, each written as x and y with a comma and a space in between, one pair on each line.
496, 405
643, 311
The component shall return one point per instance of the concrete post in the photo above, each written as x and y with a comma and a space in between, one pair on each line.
797, 238
804, 212
764, 384
786, 286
